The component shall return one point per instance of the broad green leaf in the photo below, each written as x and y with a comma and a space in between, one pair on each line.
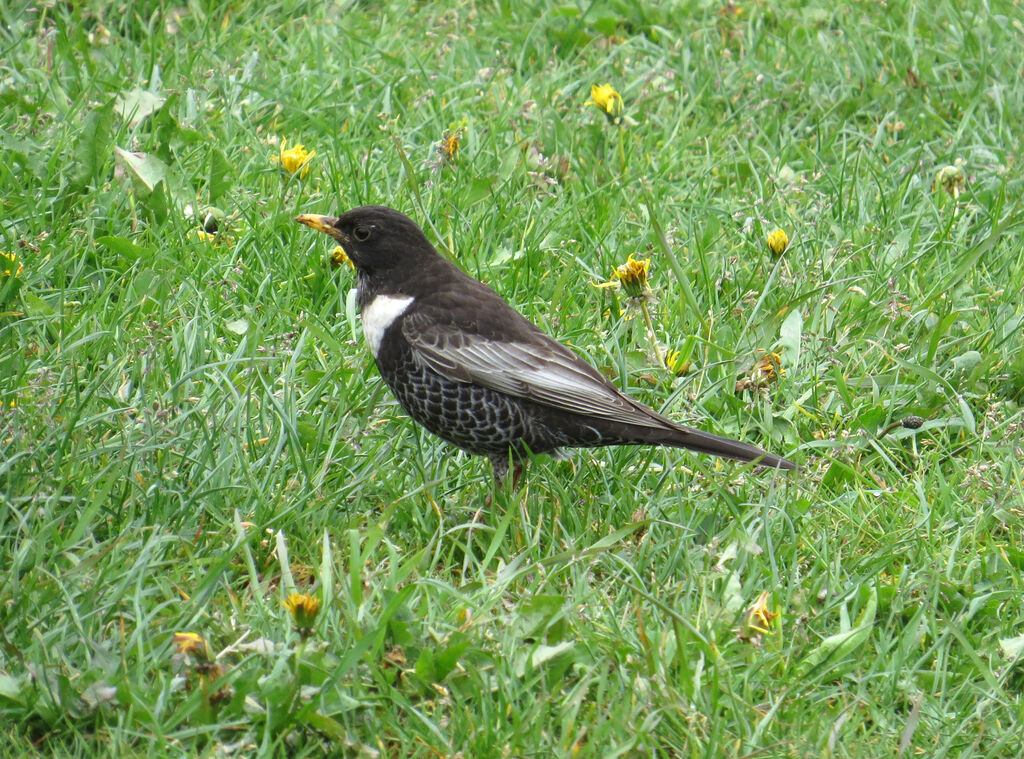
330, 726
608, 24
149, 284
480, 189
24, 151
839, 646
966, 361
36, 306
732, 597
447, 657
540, 613
94, 144
137, 104
1013, 648
789, 336
543, 653
11, 688
126, 248
147, 170
9, 286
222, 174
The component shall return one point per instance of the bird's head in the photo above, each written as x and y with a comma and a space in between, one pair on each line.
376, 239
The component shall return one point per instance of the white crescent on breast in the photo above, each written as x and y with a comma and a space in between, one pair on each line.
379, 314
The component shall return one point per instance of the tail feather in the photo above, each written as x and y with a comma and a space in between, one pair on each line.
716, 445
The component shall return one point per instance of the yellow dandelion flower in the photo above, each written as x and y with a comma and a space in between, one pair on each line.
192, 644
448, 147
12, 267
99, 36
201, 235
675, 365
633, 276
765, 371
778, 241
759, 616
339, 257
769, 366
952, 180
604, 97
294, 159
730, 10
395, 657
304, 609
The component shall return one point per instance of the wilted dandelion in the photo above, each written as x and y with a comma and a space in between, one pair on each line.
769, 366
730, 10
952, 180
765, 371
446, 151
197, 650
451, 141
449, 146
99, 36
633, 275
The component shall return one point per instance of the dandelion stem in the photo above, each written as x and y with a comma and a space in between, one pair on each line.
650, 332
622, 150
673, 262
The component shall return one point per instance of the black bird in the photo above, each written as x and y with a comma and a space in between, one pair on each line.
472, 370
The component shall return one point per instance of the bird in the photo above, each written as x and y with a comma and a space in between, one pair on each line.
472, 370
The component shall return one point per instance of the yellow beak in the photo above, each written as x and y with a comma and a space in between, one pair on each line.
323, 224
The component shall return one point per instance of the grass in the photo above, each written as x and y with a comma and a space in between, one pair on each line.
191, 429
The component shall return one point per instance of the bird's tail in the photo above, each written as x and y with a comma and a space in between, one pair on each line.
716, 445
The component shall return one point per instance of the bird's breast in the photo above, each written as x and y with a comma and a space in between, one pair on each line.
378, 316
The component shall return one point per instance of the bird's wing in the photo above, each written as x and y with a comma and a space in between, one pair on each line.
539, 369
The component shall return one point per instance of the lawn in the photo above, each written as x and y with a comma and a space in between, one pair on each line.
192, 432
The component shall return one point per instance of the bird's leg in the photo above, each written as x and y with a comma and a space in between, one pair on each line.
500, 465
501, 470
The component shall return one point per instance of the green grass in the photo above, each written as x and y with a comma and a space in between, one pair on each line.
191, 429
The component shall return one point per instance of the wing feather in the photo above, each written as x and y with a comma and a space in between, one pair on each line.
541, 370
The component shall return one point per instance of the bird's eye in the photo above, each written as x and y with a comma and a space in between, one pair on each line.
362, 234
